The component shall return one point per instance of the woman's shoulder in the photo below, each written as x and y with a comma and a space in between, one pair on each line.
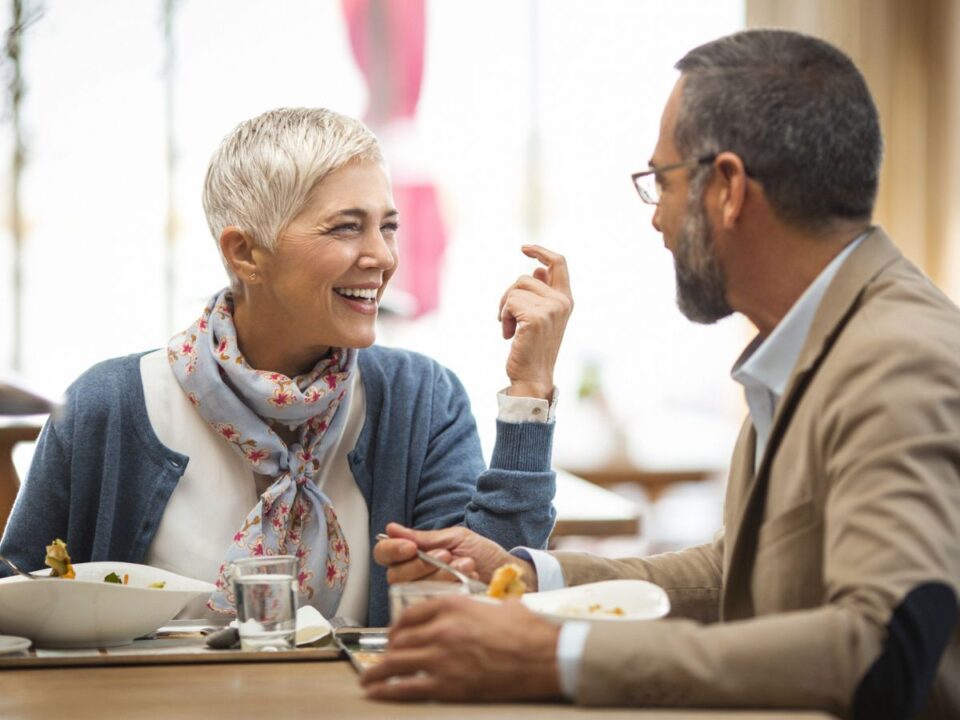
110, 385
389, 371
396, 361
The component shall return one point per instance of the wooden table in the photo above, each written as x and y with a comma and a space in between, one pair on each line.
285, 690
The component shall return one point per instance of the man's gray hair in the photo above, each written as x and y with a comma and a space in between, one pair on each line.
261, 176
797, 112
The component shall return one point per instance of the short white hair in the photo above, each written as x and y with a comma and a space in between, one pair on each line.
261, 176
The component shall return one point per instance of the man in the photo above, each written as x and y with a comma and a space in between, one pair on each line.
833, 584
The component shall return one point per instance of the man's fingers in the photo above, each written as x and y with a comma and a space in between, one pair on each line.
401, 662
445, 539
391, 552
405, 689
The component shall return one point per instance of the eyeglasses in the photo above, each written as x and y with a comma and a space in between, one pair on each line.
647, 182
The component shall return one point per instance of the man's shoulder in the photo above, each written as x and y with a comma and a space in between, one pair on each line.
904, 312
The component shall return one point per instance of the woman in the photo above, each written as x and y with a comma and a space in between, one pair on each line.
272, 425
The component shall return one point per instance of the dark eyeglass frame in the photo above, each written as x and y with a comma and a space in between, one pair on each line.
640, 182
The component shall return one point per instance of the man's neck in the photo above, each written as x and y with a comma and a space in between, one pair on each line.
782, 267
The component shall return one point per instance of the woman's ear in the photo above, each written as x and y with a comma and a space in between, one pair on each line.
238, 253
733, 178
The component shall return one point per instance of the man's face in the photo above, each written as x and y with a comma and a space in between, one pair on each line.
683, 221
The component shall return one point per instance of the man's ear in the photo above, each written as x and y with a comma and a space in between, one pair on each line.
238, 252
733, 179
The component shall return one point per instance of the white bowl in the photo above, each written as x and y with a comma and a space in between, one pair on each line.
598, 602
88, 612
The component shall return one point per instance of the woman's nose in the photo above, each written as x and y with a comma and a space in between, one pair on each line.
379, 252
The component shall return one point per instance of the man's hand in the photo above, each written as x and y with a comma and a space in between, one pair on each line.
470, 553
534, 312
455, 648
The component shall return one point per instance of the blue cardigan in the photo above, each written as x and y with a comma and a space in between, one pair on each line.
100, 478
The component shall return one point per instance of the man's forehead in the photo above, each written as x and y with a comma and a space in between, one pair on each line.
666, 151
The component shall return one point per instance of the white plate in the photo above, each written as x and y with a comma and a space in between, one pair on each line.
88, 612
11, 644
596, 602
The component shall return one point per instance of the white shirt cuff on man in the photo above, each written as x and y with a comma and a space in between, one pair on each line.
573, 634
525, 409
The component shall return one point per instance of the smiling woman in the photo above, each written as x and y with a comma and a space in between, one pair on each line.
272, 425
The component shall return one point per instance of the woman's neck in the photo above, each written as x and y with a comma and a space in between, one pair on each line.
264, 348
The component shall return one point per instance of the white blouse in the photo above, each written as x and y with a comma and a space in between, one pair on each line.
219, 489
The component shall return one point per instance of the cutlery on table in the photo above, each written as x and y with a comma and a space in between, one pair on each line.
474, 586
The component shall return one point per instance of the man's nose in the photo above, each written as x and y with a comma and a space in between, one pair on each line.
655, 221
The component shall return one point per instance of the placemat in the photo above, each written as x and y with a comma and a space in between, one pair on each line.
183, 648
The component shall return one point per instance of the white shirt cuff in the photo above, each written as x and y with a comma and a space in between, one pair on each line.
570, 645
549, 573
525, 409
573, 635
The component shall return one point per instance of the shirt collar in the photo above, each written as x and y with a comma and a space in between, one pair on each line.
768, 363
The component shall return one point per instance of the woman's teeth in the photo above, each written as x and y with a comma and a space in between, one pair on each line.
357, 293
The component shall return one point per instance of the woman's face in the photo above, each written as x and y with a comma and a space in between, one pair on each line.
322, 286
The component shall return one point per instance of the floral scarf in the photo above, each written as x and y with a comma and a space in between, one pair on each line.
293, 516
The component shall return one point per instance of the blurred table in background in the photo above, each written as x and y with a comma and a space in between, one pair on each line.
583, 508
653, 482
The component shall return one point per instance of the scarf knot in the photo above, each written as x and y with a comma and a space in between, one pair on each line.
240, 403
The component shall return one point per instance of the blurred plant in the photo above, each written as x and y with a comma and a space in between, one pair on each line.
24, 14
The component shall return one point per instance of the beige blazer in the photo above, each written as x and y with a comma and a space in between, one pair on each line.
856, 503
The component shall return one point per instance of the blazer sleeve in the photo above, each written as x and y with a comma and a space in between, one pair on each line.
511, 502
692, 578
891, 568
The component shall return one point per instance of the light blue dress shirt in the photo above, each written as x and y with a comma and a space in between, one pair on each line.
763, 370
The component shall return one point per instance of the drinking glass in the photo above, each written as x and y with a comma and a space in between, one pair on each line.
266, 591
403, 595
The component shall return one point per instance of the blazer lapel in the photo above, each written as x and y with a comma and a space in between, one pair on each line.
839, 303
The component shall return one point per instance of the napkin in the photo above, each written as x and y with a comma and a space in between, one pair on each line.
311, 626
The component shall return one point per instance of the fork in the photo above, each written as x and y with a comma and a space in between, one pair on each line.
474, 586
13, 567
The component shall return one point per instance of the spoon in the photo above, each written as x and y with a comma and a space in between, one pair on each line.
13, 567
474, 586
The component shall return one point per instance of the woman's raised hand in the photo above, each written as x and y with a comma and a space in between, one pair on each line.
534, 312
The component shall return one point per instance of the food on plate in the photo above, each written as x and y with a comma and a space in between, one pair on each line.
115, 579
595, 609
58, 560
506, 582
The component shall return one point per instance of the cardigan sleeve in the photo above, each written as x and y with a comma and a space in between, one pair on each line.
41, 511
511, 502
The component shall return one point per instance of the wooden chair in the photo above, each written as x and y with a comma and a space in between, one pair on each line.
10, 435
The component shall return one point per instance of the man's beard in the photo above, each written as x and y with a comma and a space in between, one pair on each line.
701, 288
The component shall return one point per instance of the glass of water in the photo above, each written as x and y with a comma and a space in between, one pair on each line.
266, 591
403, 595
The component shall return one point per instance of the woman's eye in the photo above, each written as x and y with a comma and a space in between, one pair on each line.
391, 227
346, 228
